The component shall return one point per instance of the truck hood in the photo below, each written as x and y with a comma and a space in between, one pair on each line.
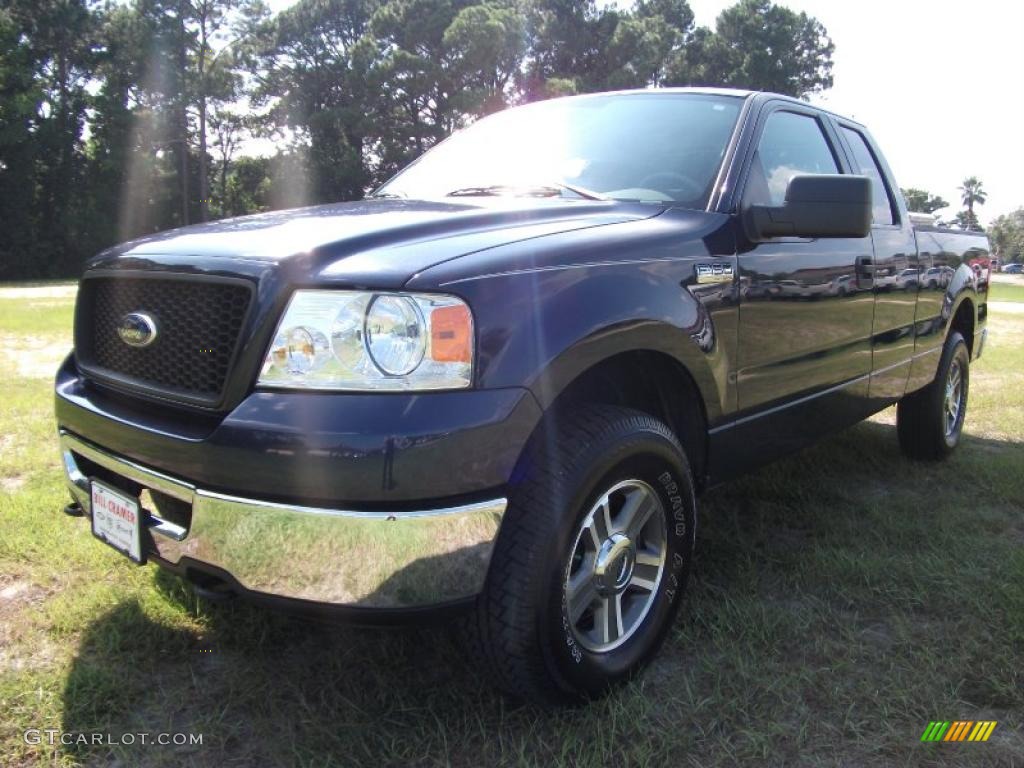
378, 243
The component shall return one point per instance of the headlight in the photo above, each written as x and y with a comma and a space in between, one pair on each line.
394, 334
353, 340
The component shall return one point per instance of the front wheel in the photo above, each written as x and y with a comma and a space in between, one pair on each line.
929, 422
592, 557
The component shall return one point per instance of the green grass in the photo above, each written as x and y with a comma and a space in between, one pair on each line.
48, 282
36, 317
841, 600
1004, 290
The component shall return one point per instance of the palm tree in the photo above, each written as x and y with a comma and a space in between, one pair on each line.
971, 192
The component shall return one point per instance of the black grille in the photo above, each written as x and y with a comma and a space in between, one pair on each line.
198, 325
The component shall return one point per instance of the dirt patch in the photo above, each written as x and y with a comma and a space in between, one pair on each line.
16, 593
12, 591
17, 596
34, 357
12, 484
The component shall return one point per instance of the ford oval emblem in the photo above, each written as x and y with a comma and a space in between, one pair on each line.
137, 329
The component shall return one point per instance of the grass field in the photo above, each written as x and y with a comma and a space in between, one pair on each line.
841, 600
1009, 288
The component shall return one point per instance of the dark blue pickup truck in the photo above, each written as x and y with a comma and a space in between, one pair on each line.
495, 387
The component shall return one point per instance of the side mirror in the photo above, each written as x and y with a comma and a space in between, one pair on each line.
826, 205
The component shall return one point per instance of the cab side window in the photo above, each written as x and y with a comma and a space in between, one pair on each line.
882, 208
790, 144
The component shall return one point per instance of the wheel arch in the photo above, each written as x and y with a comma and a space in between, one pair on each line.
964, 319
646, 378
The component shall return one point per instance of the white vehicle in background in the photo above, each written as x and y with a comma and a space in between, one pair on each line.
907, 280
936, 277
843, 285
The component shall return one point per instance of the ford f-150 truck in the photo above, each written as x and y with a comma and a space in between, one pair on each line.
496, 387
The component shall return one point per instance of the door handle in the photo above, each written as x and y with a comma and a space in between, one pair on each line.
865, 270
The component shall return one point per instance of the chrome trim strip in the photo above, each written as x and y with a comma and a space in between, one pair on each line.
387, 559
483, 506
157, 481
790, 404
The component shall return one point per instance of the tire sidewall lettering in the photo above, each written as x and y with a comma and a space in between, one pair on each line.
676, 504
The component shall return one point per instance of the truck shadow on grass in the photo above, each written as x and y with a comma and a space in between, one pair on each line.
830, 570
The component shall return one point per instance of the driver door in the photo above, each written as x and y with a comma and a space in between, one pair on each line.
804, 342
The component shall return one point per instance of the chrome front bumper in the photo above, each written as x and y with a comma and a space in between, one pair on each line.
399, 559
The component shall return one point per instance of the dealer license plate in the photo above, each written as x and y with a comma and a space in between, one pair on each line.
116, 519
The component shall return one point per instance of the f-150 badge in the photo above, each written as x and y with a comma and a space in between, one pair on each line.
714, 272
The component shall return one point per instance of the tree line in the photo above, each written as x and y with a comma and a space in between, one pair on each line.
1005, 232
972, 192
123, 118
1006, 236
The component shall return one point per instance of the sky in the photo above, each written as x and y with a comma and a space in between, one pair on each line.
939, 84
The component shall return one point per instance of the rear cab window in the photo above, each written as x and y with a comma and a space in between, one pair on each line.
883, 210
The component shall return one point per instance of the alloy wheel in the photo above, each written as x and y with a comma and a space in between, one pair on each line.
953, 400
617, 563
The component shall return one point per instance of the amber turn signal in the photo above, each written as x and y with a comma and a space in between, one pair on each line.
451, 334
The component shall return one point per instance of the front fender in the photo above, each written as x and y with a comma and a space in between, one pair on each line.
561, 312
639, 336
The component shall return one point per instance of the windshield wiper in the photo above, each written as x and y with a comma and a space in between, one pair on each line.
587, 194
550, 189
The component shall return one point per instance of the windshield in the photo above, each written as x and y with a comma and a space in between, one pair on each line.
653, 147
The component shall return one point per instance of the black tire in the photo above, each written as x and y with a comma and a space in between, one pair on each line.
520, 630
922, 423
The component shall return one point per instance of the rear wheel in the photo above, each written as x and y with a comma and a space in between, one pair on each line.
592, 558
929, 422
